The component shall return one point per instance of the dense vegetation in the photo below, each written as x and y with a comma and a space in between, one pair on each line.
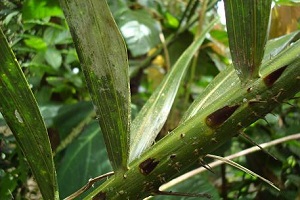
156, 35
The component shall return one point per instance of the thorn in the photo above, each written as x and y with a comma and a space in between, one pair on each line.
205, 165
273, 114
182, 194
288, 103
264, 118
245, 136
295, 98
275, 98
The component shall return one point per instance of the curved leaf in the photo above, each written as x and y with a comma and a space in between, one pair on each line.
101, 51
140, 30
247, 26
216, 88
21, 113
153, 115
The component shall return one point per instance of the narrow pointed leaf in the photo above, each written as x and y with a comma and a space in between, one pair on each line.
216, 88
247, 26
153, 115
20, 111
103, 58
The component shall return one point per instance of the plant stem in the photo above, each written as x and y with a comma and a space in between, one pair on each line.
214, 164
198, 136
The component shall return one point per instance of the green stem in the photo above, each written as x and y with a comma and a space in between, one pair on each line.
195, 59
205, 131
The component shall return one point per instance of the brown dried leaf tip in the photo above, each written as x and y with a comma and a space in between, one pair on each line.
147, 166
217, 118
270, 79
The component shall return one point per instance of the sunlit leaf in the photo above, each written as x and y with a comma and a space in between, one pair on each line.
37, 9
140, 31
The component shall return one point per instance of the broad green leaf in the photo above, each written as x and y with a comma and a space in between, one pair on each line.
154, 113
36, 43
37, 9
247, 26
53, 57
102, 53
71, 115
85, 158
139, 29
21, 113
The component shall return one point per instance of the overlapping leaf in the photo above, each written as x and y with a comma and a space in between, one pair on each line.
103, 58
216, 88
153, 115
83, 156
21, 113
247, 26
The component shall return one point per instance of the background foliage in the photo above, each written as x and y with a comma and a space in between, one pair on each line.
39, 36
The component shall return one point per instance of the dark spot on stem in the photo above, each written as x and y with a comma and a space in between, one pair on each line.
100, 196
217, 118
270, 79
172, 156
147, 166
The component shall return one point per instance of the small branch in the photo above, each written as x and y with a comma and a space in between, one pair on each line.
245, 136
88, 185
233, 156
244, 169
74, 133
166, 52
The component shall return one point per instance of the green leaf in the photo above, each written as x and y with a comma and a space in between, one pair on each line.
276, 45
140, 31
36, 43
153, 115
53, 57
83, 160
216, 88
247, 26
102, 53
37, 9
20, 111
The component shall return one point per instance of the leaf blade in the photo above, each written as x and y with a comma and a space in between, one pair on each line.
247, 26
20, 111
154, 113
103, 57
